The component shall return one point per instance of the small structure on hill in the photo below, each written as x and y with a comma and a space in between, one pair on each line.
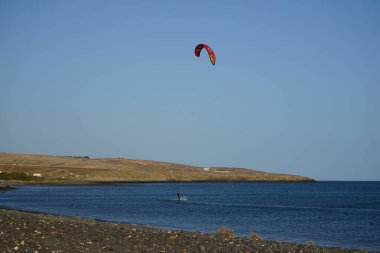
207, 169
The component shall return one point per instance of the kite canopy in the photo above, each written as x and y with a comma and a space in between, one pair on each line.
211, 54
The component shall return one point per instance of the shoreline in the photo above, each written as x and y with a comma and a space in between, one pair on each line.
41, 232
13, 183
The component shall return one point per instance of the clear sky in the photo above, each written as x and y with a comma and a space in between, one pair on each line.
295, 88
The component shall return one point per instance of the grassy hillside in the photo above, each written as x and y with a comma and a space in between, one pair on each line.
81, 169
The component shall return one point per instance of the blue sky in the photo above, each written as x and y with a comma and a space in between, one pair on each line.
295, 88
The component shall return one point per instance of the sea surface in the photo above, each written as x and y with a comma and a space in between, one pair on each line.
344, 214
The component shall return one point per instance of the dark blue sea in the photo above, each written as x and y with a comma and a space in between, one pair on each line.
344, 214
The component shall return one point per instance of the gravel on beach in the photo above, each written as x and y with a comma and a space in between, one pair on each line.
34, 232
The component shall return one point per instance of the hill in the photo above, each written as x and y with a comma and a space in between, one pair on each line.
66, 169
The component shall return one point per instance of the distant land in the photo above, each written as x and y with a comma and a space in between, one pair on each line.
28, 168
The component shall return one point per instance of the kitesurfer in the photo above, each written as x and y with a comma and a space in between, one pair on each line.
178, 196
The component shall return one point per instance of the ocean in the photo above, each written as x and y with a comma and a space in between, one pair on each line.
343, 214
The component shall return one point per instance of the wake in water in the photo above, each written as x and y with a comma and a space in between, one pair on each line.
183, 198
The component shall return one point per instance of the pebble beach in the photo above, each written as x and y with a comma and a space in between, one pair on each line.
36, 232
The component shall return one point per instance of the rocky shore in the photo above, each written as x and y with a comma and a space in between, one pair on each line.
33, 232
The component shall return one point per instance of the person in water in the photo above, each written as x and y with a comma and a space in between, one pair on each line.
178, 195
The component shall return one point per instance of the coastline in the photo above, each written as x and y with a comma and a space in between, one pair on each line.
32, 167
15, 183
22, 231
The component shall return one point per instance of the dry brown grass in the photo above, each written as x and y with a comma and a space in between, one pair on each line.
226, 232
67, 168
255, 236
